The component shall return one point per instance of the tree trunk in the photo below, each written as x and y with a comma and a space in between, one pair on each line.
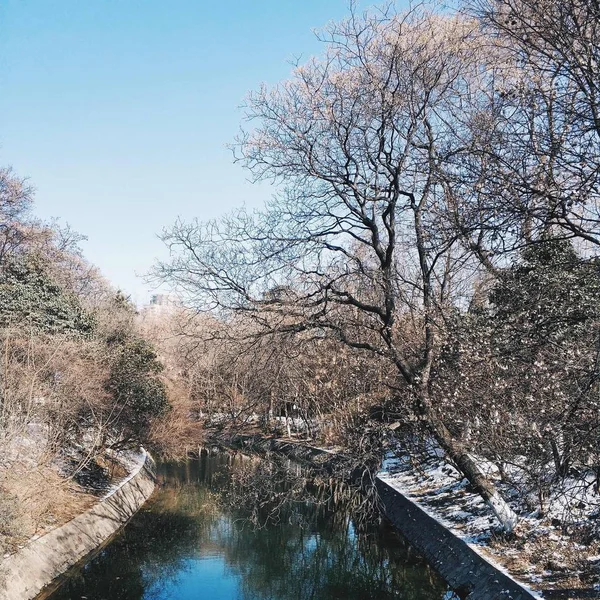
468, 466
287, 421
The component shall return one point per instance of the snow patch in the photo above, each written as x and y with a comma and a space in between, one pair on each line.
132, 461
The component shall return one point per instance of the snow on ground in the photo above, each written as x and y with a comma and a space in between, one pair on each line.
440, 489
132, 461
540, 553
26, 448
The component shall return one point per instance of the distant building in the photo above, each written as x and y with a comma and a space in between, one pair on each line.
162, 300
161, 304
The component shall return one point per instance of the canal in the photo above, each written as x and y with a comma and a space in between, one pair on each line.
192, 542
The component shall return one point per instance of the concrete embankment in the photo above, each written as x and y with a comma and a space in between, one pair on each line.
467, 572
26, 573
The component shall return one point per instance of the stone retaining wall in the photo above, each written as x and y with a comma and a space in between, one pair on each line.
468, 573
26, 573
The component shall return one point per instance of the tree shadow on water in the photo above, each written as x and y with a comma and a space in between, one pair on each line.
189, 534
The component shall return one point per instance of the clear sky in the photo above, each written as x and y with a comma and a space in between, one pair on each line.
119, 111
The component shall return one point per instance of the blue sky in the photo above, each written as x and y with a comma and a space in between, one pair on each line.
119, 111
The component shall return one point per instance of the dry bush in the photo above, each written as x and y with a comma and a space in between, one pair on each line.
225, 374
11, 520
53, 414
173, 434
51, 390
33, 501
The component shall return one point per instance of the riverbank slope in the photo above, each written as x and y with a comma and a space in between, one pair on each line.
25, 574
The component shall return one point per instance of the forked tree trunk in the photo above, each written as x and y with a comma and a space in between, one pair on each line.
468, 466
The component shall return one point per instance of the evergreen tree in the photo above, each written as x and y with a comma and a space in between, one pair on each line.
31, 299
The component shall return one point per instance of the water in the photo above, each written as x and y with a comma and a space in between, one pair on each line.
188, 544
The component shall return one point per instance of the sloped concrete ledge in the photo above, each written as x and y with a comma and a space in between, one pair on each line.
473, 577
26, 573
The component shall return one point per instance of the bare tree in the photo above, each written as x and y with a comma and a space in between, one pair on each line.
534, 163
356, 245
15, 202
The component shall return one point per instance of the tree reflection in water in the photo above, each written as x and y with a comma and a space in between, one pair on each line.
194, 540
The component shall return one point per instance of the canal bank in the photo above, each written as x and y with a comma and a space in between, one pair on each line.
25, 574
469, 573
194, 540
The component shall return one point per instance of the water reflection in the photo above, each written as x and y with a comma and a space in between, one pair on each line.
186, 544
